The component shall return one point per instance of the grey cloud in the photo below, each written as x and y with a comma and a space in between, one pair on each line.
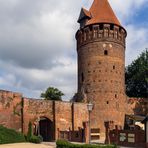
25, 37
38, 46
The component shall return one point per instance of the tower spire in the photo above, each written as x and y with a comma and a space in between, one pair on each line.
102, 12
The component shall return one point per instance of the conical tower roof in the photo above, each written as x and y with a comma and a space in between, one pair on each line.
101, 12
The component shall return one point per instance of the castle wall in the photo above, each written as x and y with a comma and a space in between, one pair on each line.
16, 112
34, 109
11, 110
80, 115
63, 117
70, 116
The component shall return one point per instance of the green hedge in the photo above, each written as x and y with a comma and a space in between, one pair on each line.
10, 136
65, 144
35, 139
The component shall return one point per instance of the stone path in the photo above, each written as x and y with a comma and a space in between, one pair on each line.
27, 145
31, 145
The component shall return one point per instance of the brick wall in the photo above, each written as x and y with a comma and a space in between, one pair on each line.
34, 109
10, 109
80, 114
16, 112
138, 106
70, 116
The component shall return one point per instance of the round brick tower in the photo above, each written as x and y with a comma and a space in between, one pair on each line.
101, 63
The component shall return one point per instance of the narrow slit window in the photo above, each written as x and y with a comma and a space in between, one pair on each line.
105, 52
82, 77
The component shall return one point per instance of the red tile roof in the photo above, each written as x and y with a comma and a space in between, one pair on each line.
101, 12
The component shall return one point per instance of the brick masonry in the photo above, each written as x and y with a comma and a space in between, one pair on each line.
101, 80
16, 112
101, 58
11, 110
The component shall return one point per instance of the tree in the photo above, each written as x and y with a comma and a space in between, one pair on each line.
52, 94
136, 77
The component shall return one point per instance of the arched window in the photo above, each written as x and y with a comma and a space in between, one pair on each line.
105, 52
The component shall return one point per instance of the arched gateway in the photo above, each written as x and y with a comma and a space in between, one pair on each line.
45, 128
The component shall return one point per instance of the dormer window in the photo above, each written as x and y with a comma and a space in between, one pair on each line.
84, 17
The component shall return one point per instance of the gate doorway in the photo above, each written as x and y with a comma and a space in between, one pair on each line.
46, 129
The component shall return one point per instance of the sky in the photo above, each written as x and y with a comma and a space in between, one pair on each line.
38, 46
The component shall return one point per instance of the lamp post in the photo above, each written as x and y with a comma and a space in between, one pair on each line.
90, 108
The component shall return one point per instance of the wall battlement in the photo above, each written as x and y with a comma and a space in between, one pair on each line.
6, 93
99, 32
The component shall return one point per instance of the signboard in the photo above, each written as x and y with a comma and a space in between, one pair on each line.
131, 138
122, 137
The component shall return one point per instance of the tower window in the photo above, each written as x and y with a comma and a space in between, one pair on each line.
111, 27
115, 95
114, 67
105, 52
82, 77
101, 26
107, 102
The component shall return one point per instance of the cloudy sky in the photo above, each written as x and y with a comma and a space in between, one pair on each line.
38, 47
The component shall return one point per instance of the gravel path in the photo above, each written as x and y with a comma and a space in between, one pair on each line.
25, 145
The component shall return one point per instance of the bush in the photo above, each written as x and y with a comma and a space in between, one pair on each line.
35, 139
10, 136
32, 138
66, 144
41, 138
29, 133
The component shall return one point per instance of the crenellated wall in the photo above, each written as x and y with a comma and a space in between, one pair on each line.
99, 32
